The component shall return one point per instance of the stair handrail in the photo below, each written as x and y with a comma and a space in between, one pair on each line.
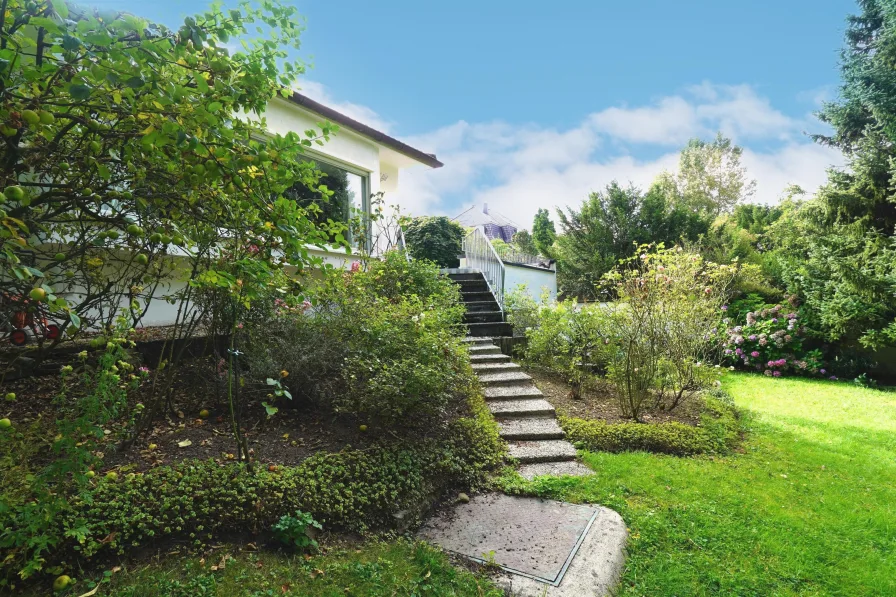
481, 255
403, 243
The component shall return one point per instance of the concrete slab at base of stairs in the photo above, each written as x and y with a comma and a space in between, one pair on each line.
543, 547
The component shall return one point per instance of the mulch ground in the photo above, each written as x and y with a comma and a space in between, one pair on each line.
599, 402
298, 431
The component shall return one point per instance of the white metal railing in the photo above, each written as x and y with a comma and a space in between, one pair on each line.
481, 255
403, 243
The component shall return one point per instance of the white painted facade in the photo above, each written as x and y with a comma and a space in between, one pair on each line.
535, 279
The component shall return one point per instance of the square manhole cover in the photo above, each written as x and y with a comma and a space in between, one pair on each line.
527, 536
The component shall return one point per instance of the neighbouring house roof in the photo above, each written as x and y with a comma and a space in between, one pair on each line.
339, 118
480, 217
494, 224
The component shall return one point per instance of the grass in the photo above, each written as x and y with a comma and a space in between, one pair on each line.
376, 569
807, 508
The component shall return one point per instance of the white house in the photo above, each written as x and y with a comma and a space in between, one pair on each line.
371, 160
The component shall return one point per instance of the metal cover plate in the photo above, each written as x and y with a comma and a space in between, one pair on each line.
527, 536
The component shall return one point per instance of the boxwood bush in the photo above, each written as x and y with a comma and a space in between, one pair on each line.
717, 433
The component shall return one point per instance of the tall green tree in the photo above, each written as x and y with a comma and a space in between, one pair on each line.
524, 242
543, 232
595, 237
838, 252
711, 178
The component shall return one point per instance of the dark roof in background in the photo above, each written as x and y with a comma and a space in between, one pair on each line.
382, 138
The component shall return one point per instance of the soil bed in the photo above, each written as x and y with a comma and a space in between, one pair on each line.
299, 430
598, 402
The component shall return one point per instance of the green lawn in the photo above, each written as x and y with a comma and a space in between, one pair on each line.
808, 508
398, 568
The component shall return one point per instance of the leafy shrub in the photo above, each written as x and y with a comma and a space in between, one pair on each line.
199, 501
772, 342
92, 395
664, 326
295, 531
717, 433
435, 238
382, 343
569, 339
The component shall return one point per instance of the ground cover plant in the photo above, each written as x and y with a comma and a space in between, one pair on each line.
804, 507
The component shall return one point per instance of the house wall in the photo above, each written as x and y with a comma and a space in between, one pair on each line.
535, 280
344, 146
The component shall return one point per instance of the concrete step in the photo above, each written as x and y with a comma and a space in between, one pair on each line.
504, 378
465, 277
514, 392
551, 450
484, 317
489, 329
530, 429
480, 306
475, 340
475, 297
512, 409
555, 469
479, 285
477, 359
484, 349
500, 367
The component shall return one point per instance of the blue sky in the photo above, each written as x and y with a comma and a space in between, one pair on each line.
535, 104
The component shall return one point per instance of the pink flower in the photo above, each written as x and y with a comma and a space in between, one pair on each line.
776, 373
754, 354
306, 304
356, 267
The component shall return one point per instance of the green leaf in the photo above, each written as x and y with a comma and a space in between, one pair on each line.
214, 107
61, 8
76, 321
135, 82
271, 410
272, 382
79, 91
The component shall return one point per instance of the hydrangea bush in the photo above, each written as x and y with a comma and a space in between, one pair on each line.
771, 341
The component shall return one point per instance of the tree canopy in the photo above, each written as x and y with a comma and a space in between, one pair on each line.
125, 143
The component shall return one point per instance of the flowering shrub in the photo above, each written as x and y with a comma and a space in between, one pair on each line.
771, 342
665, 323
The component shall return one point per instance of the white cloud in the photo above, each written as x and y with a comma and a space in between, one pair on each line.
518, 168
736, 110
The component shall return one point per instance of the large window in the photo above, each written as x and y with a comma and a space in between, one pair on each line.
349, 201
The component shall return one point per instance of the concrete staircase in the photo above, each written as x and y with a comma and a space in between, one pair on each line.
526, 420
484, 317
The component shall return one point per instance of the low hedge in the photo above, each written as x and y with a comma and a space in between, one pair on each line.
200, 501
717, 433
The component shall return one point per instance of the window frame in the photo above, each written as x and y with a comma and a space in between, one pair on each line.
365, 176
